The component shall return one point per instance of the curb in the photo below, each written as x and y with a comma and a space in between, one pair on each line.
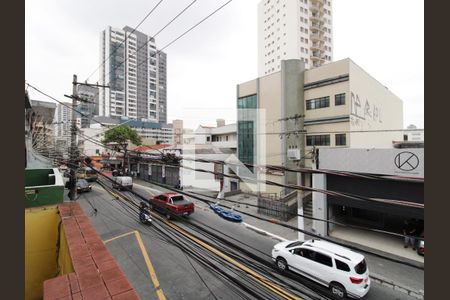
419, 294
263, 232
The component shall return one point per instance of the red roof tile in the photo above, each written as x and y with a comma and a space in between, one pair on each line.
96, 271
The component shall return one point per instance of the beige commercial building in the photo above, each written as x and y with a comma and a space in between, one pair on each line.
334, 105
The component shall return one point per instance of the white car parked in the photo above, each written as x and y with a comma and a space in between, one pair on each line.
343, 271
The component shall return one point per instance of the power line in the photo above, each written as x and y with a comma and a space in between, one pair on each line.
278, 168
134, 29
62, 103
258, 217
304, 188
174, 40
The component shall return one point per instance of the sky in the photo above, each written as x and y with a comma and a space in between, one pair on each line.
385, 38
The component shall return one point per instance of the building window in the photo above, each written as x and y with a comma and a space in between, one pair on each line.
318, 140
318, 103
341, 139
339, 99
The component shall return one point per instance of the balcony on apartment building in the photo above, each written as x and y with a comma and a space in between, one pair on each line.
316, 28
317, 2
317, 37
316, 8
317, 47
316, 56
317, 17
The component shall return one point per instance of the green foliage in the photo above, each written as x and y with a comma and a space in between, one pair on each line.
122, 135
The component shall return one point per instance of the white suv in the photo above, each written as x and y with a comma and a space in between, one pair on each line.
343, 271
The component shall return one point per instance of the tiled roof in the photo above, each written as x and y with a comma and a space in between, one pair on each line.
144, 148
97, 275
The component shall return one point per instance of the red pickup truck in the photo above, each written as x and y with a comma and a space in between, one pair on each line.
171, 204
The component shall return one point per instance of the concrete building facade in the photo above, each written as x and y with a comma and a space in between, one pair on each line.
90, 107
294, 29
335, 105
177, 132
132, 71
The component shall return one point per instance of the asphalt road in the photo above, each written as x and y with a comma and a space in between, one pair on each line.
179, 275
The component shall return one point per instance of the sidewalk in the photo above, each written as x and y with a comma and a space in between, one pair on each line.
386, 273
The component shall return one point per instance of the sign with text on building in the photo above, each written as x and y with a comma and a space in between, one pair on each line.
394, 162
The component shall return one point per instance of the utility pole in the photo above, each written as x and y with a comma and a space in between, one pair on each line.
73, 142
73, 135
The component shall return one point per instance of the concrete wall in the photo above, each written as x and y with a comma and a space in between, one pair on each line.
373, 107
41, 238
270, 105
199, 180
331, 91
334, 69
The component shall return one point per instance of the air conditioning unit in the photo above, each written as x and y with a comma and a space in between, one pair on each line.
293, 154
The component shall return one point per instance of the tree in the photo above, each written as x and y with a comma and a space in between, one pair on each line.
122, 135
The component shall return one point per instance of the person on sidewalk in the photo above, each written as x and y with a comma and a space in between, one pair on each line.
409, 230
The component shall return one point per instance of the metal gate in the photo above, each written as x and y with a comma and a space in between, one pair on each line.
156, 174
172, 175
143, 171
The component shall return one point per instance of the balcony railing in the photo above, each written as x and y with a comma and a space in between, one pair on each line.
316, 27
317, 57
317, 37
317, 17
318, 47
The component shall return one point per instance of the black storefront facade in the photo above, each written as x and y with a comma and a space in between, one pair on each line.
386, 182
370, 213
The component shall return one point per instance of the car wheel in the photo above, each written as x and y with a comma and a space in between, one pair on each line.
338, 290
282, 264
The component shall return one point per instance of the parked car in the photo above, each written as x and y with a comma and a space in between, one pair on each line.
121, 182
87, 173
342, 270
172, 204
83, 186
421, 247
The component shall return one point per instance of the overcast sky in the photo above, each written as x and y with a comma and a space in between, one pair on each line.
385, 38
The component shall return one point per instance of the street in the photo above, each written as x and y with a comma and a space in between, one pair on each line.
178, 275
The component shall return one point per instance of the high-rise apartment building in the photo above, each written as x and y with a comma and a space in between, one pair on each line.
162, 87
89, 107
294, 29
132, 71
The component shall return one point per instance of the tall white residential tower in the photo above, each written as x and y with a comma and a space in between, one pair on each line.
294, 29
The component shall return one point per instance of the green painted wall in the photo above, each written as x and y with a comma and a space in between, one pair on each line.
43, 187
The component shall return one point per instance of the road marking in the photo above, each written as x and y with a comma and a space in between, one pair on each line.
148, 262
264, 281
119, 236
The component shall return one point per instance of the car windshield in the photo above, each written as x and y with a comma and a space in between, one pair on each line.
82, 183
361, 268
177, 198
294, 244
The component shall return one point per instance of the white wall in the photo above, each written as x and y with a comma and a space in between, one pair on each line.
396, 162
88, 147
199, 179
200, 135
373, 107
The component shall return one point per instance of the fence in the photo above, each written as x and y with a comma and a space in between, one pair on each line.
284, 209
